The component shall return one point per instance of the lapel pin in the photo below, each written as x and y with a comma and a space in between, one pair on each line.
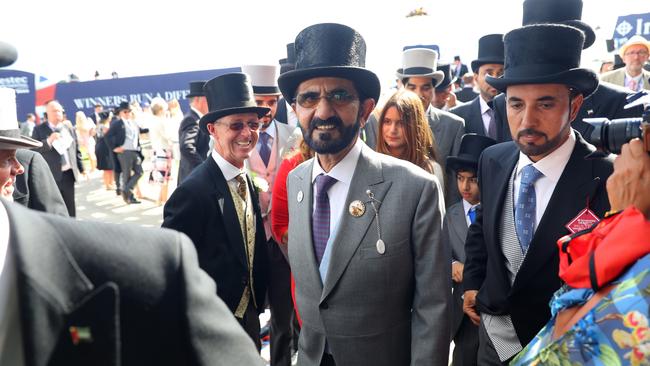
590, 112
300, 196
381, 247
357, 208
80, 335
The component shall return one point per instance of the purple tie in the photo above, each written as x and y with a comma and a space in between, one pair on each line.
321, 217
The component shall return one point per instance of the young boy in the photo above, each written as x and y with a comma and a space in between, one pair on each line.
458, 218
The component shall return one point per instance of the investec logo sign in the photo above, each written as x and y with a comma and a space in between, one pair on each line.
19, 83
630, 25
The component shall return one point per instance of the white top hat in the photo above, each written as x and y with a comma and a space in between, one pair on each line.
10, 137
264, 78
420, 62
634, 40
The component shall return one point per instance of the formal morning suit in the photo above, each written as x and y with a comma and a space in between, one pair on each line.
471, 113
130, 160
463, 332
64, 179
101, 294
466, 94
372, 308
202, 207
447, 130
581, 184
617, 77
35, 188
194, 145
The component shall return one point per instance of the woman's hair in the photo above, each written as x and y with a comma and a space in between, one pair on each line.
420, 143
301, 149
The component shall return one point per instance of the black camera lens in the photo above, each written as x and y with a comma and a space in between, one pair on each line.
610, 136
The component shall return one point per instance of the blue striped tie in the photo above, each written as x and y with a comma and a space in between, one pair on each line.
526, 206
321, 217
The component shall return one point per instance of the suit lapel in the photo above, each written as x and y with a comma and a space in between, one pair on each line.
54, 295
352, 230
476, 117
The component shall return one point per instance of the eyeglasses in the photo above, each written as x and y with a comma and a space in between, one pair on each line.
337, 98
238, 126
636, 53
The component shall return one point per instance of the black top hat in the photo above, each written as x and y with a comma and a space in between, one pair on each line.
332, 50
289, 63
545, 54
229, 94
490, 51
124, 106
568, 12
196, 89
471, 147
449, 78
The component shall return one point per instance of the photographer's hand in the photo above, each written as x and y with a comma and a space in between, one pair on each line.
630, 182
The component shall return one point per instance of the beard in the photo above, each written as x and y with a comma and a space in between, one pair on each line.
544, 149
324, 142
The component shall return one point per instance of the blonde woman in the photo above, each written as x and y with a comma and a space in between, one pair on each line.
86, 137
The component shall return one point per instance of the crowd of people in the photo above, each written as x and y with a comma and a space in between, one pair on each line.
469, 207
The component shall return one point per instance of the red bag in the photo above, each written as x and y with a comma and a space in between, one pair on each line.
594, 259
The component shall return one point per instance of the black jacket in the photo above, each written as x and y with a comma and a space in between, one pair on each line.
471, 113
52, 157
35, 188
194, 145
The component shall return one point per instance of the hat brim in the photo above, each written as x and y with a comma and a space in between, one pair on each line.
438, 76
456, 163
215, 115
476, 64
22, 142
364, 80
590, 36
585, 81
190, 95
623, 49
443, 84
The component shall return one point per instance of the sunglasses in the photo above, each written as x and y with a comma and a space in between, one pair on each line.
238, 126
337, 98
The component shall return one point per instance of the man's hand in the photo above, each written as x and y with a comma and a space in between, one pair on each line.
457, 272
452, 101
469, 306
53, 137
118, 150
630, 182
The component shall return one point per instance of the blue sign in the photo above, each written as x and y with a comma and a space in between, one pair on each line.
23, 83
83, 96
630, 25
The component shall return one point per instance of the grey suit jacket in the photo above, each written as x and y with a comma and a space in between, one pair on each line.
618, 77
374, 309
454, 234
36, 188
138, 292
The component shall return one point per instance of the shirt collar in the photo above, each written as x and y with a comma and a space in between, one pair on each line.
271, 129
229, 171
196, 111
342, 171
467, 206
553, 164
483, 104
635, 78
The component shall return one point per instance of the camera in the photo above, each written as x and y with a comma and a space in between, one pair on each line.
610, 135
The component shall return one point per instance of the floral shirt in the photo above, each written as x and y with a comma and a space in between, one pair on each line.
615, 332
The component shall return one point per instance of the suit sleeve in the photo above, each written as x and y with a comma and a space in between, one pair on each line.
41, 134
431, 312
215, 337
44, 194
475, 251
446, 237
188, 137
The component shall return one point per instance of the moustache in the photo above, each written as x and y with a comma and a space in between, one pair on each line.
317, 122
530, 132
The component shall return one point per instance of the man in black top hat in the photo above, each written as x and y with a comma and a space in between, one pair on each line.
444, 98
459, 68
531, 189
217, 205
458, 218
479, 114
194, 143
607, 101
284, 113
372, 276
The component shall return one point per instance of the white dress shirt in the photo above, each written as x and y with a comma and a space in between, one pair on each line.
638, 79
484, 114
337, 194
552, 167
466, 207
229, 171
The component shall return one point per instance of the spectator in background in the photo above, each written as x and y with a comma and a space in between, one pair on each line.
467, 93
160, 134
95, 115
27, 127
459, 68
86, 132
194, 144
175, 114
444, 99
635, 53
606, 66
103, 151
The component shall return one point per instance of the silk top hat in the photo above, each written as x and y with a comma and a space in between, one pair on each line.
567, 12
8, 54
124, 106
196, 89
471, 147
264, 78
490, 51
10, 137
229, 94
420, 62
330, 50
289, 63
449, 78
545, 54
634, 40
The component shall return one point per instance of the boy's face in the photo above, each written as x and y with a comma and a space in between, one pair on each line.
468, 186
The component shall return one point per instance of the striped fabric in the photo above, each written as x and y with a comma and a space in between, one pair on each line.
321, 217
526, 206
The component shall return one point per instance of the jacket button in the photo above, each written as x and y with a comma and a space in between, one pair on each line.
324, 306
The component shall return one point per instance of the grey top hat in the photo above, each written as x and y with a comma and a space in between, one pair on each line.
10, 137
420, 62
229, 94
264, 78
556, 63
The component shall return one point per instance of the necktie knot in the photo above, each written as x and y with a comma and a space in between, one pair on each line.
241, 186
530, 174
472, 214
323, 184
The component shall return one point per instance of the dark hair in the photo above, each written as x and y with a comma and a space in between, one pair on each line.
456, 58
466, 169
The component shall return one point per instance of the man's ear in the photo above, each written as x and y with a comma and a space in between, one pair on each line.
576, 103
367, 106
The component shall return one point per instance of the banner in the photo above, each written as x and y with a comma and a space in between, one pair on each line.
630, 25
23, 83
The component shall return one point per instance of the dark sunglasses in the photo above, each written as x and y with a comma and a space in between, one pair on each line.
337, 98
238, 126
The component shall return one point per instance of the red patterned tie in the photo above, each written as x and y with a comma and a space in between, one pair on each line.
321, 217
